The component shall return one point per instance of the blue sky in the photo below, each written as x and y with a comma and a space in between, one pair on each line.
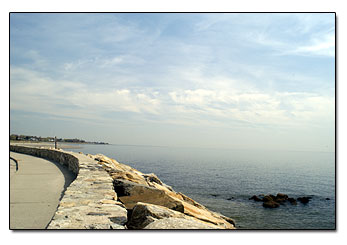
260, 81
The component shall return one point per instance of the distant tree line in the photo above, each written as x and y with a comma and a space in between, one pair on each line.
49, 139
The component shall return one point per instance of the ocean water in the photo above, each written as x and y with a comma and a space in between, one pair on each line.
224, 180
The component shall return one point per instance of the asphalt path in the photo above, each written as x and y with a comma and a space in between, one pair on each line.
36, 186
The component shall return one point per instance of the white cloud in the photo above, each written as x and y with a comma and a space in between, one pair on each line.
309, 35
86, 64
324, 45
320, 45
222, 104
115, 100
33, 92
255, 107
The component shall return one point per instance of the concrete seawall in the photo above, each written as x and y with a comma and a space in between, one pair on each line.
90, 201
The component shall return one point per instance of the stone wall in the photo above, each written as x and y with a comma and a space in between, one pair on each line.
62, 157
90, 201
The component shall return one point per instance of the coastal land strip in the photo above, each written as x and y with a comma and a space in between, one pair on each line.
107, 194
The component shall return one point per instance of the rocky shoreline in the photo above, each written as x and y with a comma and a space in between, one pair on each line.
151, 204
107, 194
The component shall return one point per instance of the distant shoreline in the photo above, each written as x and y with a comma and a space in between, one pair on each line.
61, 145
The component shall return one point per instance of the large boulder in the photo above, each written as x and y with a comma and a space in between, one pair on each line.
145, 213
179, 223
271, 204
131, 193
129, 176
281, 196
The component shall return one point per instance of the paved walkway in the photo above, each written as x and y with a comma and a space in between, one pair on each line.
35, 190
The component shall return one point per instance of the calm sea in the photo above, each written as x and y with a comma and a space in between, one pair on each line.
223, 180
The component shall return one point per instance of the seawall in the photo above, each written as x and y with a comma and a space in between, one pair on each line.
90, 201
110, 195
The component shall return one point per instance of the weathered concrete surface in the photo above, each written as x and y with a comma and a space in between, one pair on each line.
35, 190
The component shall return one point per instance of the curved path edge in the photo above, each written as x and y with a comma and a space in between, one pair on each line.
90, 201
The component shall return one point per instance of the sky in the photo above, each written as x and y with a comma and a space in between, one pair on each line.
241, 81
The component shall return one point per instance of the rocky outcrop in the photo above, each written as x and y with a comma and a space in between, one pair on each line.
134, 187
271, 201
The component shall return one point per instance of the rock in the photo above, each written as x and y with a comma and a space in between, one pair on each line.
255, 198
152, 178
145, 213
130, 194
272, 196
230, 220
271, 201
292, 201
105, 159
163, 187
304, 200
116, 227
97, 226
280, 200
133, 187
129, 176
271, 204
179, 223
206, 215
327, 198
168, 187
268, 198
190, 201
281, 196
133, 177
125, 187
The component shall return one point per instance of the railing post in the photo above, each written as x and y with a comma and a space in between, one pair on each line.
55, 142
